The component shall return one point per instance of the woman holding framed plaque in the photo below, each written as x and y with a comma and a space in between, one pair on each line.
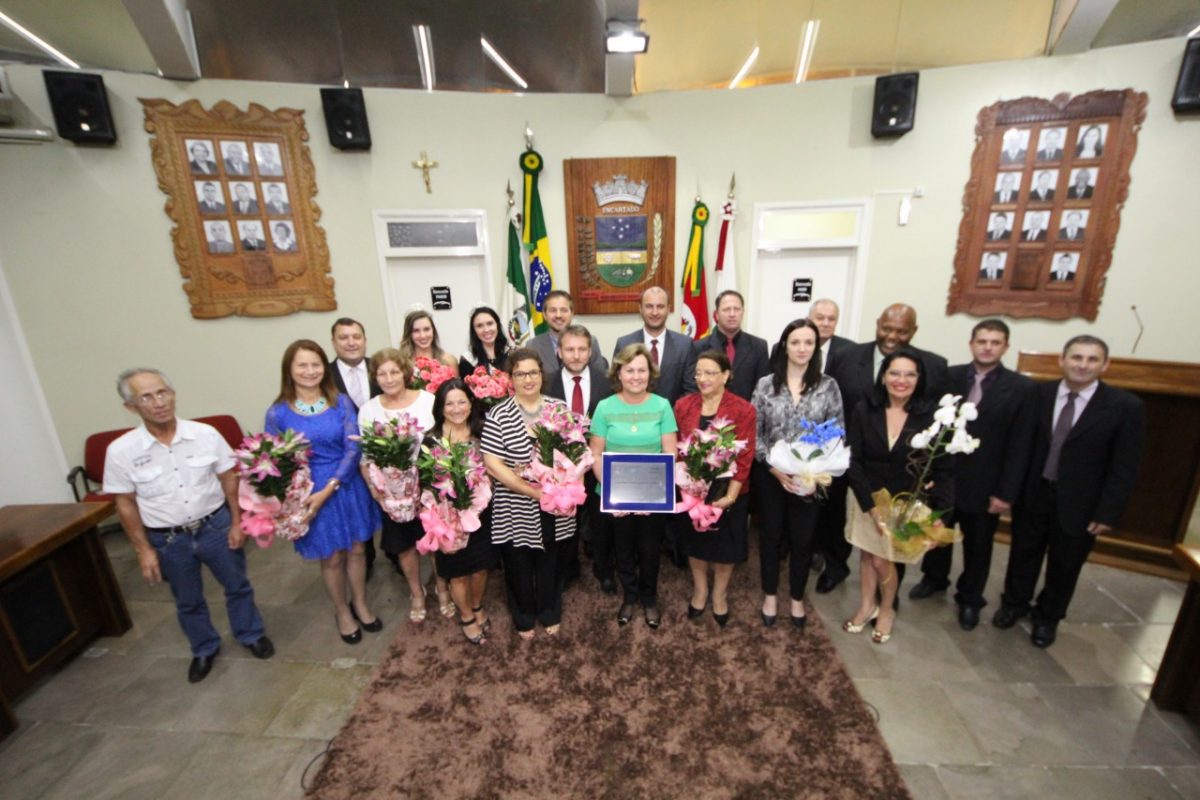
530, 540
634, 420
796, 392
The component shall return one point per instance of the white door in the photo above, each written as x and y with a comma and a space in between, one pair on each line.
819, 272
803, 252
429, 258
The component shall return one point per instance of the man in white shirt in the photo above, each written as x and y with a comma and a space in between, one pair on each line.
177, 497
670, 350
1073, 229
1064, 269
825, 313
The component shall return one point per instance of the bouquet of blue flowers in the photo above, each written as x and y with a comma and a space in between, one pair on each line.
815, 459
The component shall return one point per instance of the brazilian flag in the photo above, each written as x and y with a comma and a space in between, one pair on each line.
535, 241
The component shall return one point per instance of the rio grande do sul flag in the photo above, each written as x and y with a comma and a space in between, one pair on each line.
536, 242
695, 316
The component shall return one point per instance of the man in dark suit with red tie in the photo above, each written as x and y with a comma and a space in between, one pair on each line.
746, 352
855, 370
986, 482
581, 384
1086, 447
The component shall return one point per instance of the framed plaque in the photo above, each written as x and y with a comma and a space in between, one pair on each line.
1043, 205
642, 482
240, 188
620, 231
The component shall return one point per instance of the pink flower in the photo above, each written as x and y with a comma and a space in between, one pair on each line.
264, 468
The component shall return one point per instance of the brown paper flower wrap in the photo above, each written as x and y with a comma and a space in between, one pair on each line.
911, 528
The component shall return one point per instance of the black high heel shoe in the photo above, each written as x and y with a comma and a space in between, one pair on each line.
349, 638
374, 626
487, 622
722, 619
692, 611
477, 639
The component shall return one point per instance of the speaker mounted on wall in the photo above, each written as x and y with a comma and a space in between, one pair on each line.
346, 119
895, 108
1187, 88
80, 106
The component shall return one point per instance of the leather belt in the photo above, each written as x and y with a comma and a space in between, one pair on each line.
190, 527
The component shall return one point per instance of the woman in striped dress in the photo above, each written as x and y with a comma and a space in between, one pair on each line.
530, 540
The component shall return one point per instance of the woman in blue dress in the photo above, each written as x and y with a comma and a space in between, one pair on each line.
341, 514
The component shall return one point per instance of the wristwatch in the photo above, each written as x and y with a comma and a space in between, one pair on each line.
335, 483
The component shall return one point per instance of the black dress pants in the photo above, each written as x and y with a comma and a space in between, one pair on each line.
637, 541
532, 579
787, 521
979, 531
1037, 536
831, 530
600, 527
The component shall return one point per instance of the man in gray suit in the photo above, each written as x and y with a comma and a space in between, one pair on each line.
559, 311
671, 350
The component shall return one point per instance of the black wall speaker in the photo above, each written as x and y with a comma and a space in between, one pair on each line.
80, 107
895, 107
1187, 88
346, 119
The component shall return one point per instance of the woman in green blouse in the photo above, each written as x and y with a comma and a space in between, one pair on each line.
633, 420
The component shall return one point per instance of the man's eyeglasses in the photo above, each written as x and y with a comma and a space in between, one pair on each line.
161, 396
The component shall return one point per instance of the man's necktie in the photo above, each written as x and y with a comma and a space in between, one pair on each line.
976, 393
1062, 429
730, 350
577, 395
654, 351
356, 387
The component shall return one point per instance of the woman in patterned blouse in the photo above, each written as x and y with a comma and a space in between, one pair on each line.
794, 391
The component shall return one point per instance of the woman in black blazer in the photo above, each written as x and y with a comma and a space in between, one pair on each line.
881, 456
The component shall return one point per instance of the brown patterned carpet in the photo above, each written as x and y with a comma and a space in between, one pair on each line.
689, 710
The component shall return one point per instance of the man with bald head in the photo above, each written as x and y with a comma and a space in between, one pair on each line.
855, 369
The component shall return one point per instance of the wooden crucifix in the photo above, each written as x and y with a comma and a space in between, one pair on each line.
425, 165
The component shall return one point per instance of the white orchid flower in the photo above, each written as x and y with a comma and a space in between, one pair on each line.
968, 411
921, 440
944, 415
949, 399
962, 442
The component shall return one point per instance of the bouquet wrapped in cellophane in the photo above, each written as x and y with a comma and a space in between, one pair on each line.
274, 484
390, 451
561, 459
429, 374
815, 459
705, 456
489, 387
455, 491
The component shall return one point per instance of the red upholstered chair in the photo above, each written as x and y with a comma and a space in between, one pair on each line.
86, 481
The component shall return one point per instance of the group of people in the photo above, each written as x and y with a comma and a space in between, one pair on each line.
1061, 458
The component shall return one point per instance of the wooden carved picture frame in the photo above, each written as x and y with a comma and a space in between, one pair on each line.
240, 188
620, 231
1043, 205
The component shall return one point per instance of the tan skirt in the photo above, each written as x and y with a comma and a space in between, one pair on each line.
863, 533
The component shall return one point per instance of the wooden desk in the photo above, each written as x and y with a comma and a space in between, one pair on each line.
57, 593
1177, 685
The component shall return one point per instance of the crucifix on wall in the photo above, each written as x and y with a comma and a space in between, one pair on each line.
425, 165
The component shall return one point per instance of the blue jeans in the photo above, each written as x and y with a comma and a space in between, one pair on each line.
180, 556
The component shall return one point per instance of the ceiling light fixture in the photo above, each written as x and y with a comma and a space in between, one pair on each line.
622, 36
499, 61
745, 68
21, 30
424, 39
807, 46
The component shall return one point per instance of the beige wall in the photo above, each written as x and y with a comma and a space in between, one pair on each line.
86, 249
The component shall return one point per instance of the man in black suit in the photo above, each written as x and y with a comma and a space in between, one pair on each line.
211, 202
825, 313
1086, 445
352, 377
1036, 227
986, 482
252, 238
1051, 149
1007, 193
276, 205
236, 162
581, 384
855, 370
746, 352
1073, 228
243, 203
1081, 189
559, 310
993, 267
999, 231
671, 350
1043, 188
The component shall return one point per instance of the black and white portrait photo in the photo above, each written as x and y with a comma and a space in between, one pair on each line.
219, 239
1050, 144
1000, 226
200, 156
276, 199
1090, 143
252, 236
1044, 181
991, 266
283, 237
244, 199
236, 160
1033, 228
1083, 183
1074, 225
266, 155
1063, 266
210, 197
1014, 146
1007, 186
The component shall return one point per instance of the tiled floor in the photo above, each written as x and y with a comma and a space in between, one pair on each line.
967, 715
